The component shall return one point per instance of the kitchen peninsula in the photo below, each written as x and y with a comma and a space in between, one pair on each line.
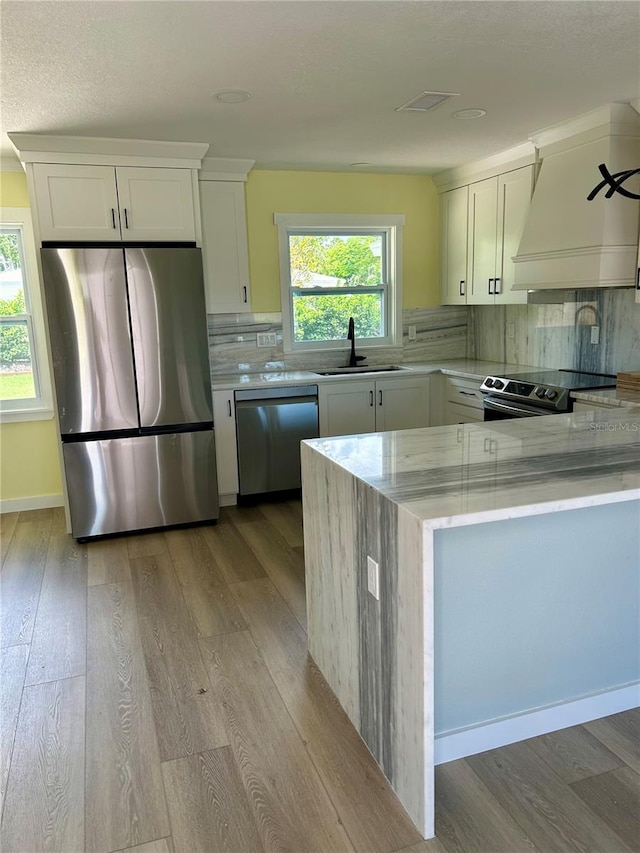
506, 603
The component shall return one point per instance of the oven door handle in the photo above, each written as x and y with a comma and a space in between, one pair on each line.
514, 409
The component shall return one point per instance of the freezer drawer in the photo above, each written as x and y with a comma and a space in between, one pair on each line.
121, 484
270, 425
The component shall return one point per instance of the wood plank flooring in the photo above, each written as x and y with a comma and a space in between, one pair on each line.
157, 697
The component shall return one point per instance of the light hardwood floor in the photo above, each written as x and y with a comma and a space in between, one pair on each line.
157, 696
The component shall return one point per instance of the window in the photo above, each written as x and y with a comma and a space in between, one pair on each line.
24, 382
333, 267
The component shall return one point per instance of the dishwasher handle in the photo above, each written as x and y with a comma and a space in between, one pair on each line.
253, 403
277, 393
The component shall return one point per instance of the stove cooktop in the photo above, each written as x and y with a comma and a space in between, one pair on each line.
572, 380
544, 389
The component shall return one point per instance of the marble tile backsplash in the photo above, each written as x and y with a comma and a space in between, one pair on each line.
560, 335
441, 333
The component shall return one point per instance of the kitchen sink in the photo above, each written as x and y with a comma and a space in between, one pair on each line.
340, 371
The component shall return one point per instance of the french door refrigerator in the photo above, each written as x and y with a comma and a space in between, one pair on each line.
128, 332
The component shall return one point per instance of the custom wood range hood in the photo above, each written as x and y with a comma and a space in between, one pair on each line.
569, 242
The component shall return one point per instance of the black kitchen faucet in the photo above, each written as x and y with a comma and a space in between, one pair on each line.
351, 336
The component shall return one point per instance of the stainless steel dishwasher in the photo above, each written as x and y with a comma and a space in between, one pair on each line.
270, 424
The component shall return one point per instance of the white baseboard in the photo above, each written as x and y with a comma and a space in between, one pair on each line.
37, 502
449, 747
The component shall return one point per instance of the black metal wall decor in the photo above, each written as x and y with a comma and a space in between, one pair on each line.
614, 182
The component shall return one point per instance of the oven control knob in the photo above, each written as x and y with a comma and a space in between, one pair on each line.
498, 384
489, 382
540, 392
551, 394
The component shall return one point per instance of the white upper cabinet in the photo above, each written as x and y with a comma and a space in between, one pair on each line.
453, 222
113, 204
224, 246
76, 202
155, 204
497, 211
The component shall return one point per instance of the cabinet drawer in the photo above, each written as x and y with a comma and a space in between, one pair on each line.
464, 392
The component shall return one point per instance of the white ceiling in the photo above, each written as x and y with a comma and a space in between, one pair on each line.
325, 75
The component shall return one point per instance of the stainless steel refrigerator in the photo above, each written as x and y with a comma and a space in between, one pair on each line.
128, 331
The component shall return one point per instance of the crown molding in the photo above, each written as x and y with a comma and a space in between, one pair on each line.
47, 148
487, 167
224, 169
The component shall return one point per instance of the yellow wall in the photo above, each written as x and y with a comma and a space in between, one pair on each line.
29, 461
415, 196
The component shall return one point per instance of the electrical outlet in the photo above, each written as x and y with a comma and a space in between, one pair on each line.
595, 334
511, 331
412, 333
373, 578
266, 339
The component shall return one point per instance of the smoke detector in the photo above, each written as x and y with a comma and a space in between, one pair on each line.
426, 101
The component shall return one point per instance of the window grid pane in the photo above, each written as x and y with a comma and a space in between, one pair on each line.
325, 317
332, 259
18, 375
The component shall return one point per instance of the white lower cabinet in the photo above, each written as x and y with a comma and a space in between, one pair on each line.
349, 408
463, 401
224, 423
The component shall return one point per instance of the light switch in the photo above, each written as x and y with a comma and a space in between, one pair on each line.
373, 578
412, 333
595, 334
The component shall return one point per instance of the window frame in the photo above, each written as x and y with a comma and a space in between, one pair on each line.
39, 407
335, 223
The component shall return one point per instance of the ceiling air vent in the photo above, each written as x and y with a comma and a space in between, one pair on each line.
426, 101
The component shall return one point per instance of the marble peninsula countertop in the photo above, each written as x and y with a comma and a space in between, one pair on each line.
468, 368
608, 397
472, 473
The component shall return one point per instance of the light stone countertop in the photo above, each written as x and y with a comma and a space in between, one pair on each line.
608, 396
472, 473
468, 368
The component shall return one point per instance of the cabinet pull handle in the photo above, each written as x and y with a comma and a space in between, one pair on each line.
490, 282
244, 294
461, 287
468, 393
229, 407
371, 398
496, 288
126, 218
379, 398
113, 217
638, 279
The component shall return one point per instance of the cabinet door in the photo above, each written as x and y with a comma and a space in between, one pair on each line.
156, 204
224, 247
76, 202
483, 221
514, 196
346, 408
454, 223
402, 403
224, 425
638, 275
